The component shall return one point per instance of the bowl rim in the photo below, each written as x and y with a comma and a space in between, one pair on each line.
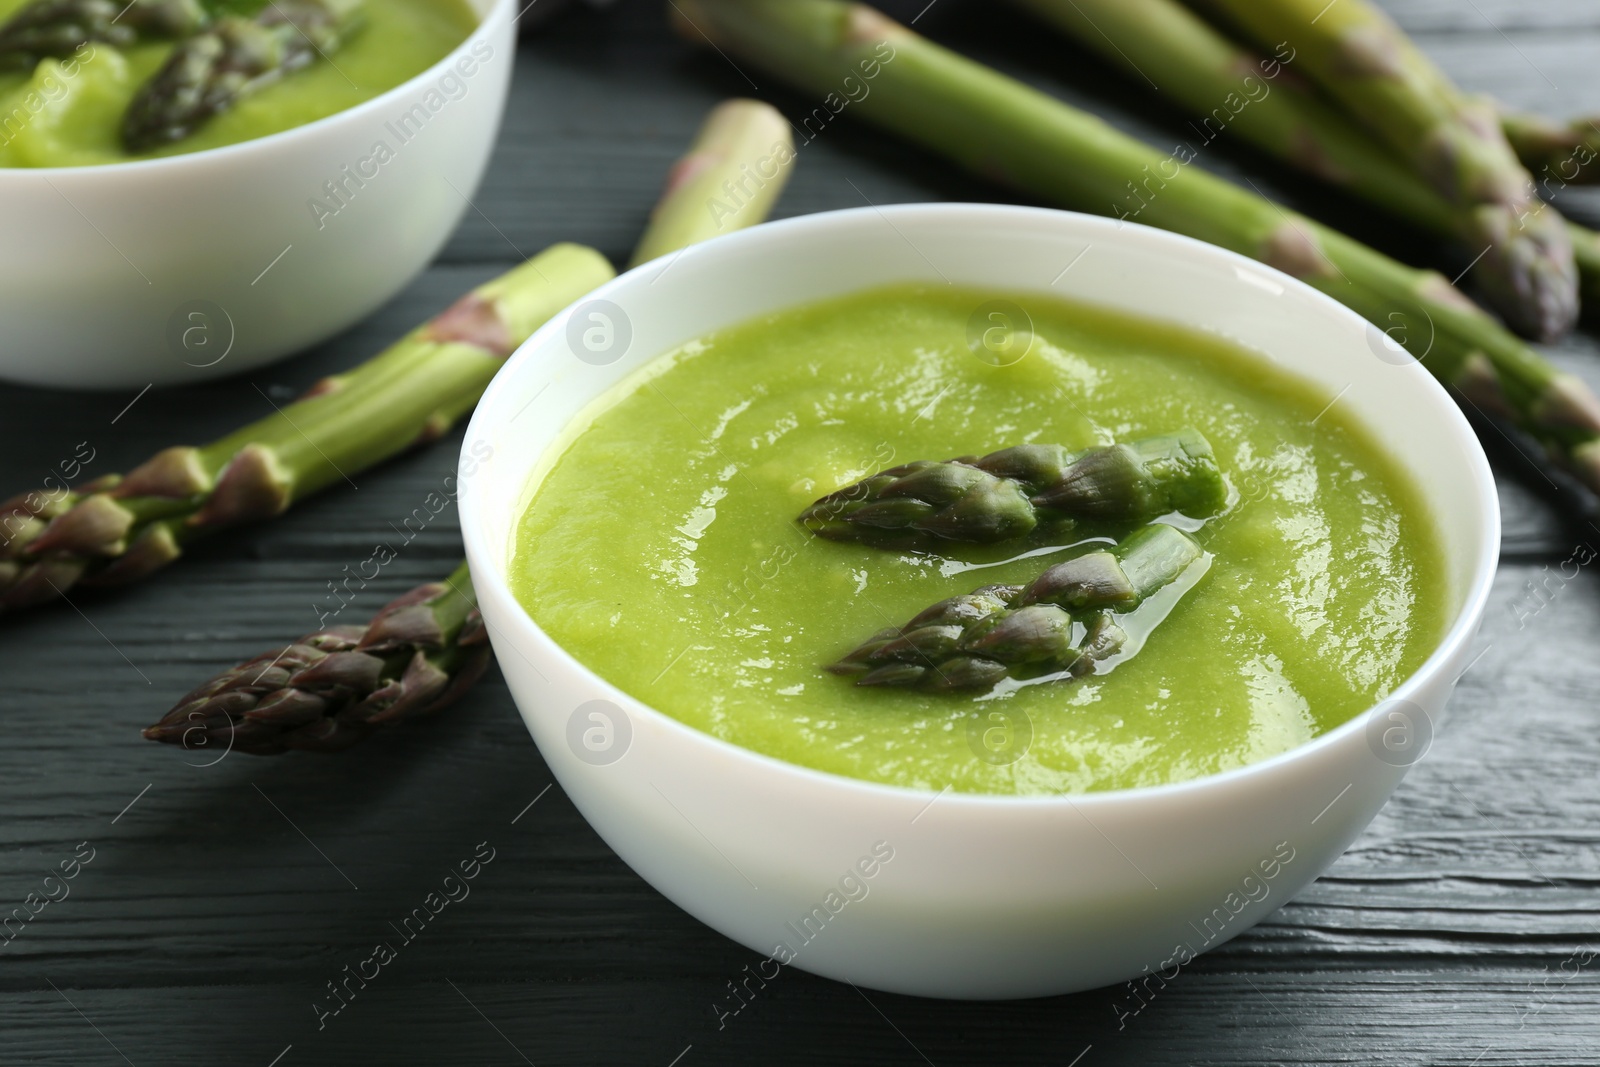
1462, 629
487, 22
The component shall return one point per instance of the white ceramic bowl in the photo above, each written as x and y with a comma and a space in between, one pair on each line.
985, 896
190, 267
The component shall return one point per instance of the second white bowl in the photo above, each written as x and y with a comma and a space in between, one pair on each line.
189, 267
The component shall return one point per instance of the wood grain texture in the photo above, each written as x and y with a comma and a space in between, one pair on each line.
1459, 929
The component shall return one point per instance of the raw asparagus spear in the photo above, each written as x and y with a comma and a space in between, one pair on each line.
122, 527
1002, 129
1230, 88
1006, 494
735, 173
1362, 59
332, 688
1564, 152
1061, 624
211, 71
57, 28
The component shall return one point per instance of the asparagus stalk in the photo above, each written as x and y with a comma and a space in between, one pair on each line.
1007, 494
1230, 88
211, 71
1363, 60
1560, 151
122, 527
999, 128
333, 687
735, 173
1059, 626
57, 28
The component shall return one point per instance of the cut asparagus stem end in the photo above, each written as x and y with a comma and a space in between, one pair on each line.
1155, 556
730, 178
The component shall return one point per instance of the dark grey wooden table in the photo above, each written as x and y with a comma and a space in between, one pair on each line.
1461, 928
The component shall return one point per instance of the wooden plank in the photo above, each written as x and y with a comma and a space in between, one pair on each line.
1426, 19
1204, 1016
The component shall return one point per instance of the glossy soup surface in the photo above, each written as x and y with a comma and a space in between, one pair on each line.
660, 546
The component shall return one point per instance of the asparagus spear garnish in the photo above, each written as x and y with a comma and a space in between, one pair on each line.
1361, 58
58, 28
1006, 494
332, 688
209, 72
123, 527
1000, 128
1061, 624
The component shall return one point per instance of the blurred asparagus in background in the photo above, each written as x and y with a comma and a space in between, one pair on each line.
331, 688
1228, 87
1547, 148
1562, 152
1000, 128
736, 171
212, 70
58, 28
1356, 53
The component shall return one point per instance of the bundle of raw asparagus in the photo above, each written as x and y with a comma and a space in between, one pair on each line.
223, 54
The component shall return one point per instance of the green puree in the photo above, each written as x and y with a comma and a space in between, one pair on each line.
68, 113
660, 546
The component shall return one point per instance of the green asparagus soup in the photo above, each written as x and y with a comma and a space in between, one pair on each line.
68, 112
660, 546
